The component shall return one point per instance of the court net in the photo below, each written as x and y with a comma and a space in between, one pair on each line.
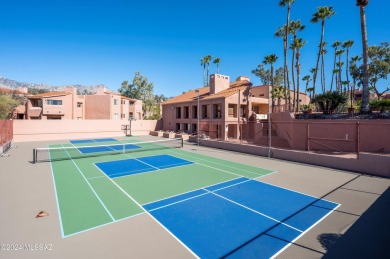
68, 151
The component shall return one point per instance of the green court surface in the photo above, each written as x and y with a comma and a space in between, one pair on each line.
87, 198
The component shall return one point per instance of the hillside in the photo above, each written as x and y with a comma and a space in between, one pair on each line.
13, 84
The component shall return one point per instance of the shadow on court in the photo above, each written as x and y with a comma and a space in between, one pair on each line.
368, 237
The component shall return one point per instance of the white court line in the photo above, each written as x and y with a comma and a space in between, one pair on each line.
97, 196
304, 232
301, 193
196, 196
158, 222
202, 159
109, 223
255, 211
55, 191
189, 191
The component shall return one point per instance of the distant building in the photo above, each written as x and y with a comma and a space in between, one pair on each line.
68, 105
222, 106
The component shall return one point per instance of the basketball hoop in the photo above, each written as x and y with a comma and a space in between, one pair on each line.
131, 118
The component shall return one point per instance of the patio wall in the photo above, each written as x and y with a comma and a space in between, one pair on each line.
38, 130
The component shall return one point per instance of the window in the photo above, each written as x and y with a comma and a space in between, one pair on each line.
186, 112
123, 101
178, 112
232, 110
79, 104
131, 103
36, 103
115, 101
194, 128
243, 110
177, 126
204, 111
256, 109
115, 116
54, 117
194, 112
217, 111
54, 102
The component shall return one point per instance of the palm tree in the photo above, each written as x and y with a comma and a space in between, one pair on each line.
203, 62
208, 58
355, 73
339, 81
335, 45
307, 79
286, 81
323, 52
365, 96
216, 62
322, 14
294, 27
346, 45
280, 33
298, 44
270, 60
339, 64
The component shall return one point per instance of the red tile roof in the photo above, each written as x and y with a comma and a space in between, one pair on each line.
204, 93
49, 94
11, 91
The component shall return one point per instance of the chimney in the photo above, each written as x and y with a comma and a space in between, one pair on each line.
71, 89
243, 78
23, 89
101, 90
218, 83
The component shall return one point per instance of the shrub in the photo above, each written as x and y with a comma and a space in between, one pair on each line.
328, 101
382, 105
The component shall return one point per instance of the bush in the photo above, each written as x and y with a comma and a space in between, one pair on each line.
382, 105
328, 101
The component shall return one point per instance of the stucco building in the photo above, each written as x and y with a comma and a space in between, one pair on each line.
222, 107
67, 105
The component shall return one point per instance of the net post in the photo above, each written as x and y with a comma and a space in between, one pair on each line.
34, 156
182, 142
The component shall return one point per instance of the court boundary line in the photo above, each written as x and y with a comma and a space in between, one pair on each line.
186, 151
205, 186
301, 193
103, 225
58, 204
304, 232
201, 159
196, 196
146, 172
190, 191
255, 211
147, 212
93, 190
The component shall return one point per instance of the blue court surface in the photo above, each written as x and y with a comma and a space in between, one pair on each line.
110, 148
119, 168
241, 218
81, 141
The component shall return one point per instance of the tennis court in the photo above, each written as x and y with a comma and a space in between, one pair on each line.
213, 207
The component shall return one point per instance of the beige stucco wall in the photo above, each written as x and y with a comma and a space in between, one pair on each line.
38, 130
97, 107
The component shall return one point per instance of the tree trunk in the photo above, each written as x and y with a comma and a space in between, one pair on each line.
318, 58
293, 78
365, 97
298, 77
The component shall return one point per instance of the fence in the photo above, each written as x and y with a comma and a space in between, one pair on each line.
6, 135
329, 137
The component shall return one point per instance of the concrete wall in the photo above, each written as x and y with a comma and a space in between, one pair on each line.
38, 130
372, 164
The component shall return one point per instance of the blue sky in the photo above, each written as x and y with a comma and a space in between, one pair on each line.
87, 42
